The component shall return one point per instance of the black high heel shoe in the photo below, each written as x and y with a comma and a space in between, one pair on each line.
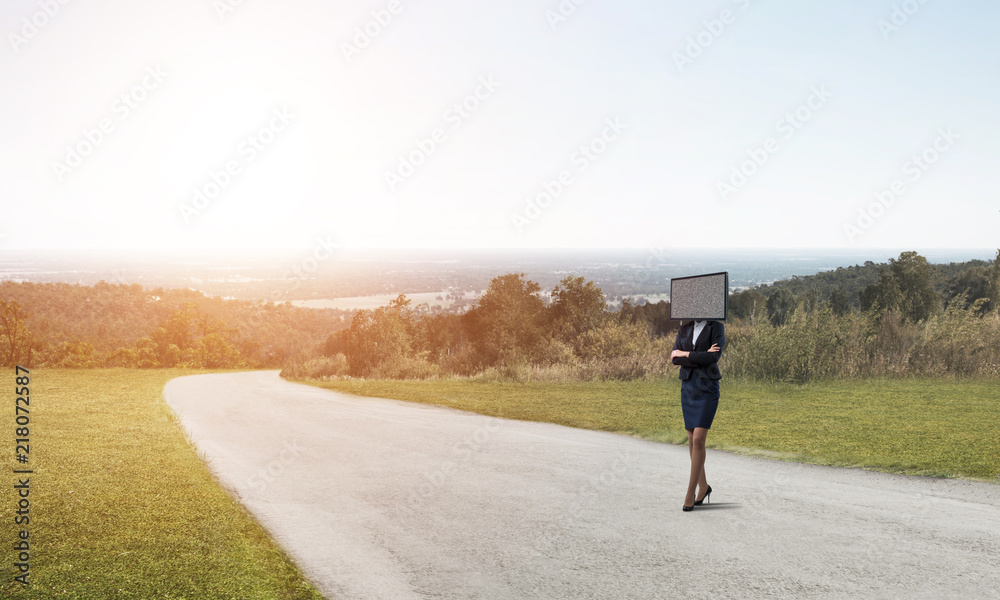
705, 498
687, 508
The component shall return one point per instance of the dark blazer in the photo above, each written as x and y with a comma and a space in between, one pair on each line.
701, 362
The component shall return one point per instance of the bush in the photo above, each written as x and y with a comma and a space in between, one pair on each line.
462, 361
637, 366
70, 355
815, 346
959, 342
554, 352
323, 367
615, 339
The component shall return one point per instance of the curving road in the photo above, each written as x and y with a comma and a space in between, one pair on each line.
390, 500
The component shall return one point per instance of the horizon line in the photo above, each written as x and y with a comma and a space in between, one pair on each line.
500, 248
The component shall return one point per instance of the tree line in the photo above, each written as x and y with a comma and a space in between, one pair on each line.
77, 326
907, 317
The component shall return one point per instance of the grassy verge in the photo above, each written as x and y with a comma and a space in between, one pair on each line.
122, 507
944, 428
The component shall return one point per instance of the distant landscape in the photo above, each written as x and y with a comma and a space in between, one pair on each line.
563, 315
297, 276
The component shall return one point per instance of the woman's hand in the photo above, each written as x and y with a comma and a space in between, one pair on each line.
715, 348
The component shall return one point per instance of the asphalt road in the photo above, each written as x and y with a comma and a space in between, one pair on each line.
390, 500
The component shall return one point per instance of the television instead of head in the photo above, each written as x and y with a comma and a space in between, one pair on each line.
700, 297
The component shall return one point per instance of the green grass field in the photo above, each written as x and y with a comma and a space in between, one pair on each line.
121, 505
942, 428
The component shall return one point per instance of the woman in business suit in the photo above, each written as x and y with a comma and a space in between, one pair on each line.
697, 350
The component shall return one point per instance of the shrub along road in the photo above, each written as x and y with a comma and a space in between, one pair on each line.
386, 499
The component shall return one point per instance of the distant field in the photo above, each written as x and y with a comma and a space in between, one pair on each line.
943, 428
371, 302
122, 507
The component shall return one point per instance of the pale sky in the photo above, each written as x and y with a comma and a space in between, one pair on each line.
669, 97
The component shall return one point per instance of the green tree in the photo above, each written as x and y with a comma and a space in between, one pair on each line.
883, 296
179, 328
438, 335
175, 335
780, 306
16, 342
576, 307
145, 349
971, 285
336, 343
809, 300
993, 286
508, 322
916, 280
749, 305
71, 355
123, 357
380, 336
214, 352
839, 303
906, 286
655, 315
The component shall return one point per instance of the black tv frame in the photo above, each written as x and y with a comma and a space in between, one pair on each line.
725, 300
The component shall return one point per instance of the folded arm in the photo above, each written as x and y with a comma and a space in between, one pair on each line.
681, 357
694, 358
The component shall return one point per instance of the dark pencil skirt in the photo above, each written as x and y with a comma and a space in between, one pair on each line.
699, 401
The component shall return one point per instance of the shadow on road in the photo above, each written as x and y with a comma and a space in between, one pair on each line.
720, 505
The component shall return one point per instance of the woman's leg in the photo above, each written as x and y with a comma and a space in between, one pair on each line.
696, 442
703, 480
689, 497
690, 433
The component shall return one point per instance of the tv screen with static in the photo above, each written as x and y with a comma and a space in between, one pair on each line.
700, 297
